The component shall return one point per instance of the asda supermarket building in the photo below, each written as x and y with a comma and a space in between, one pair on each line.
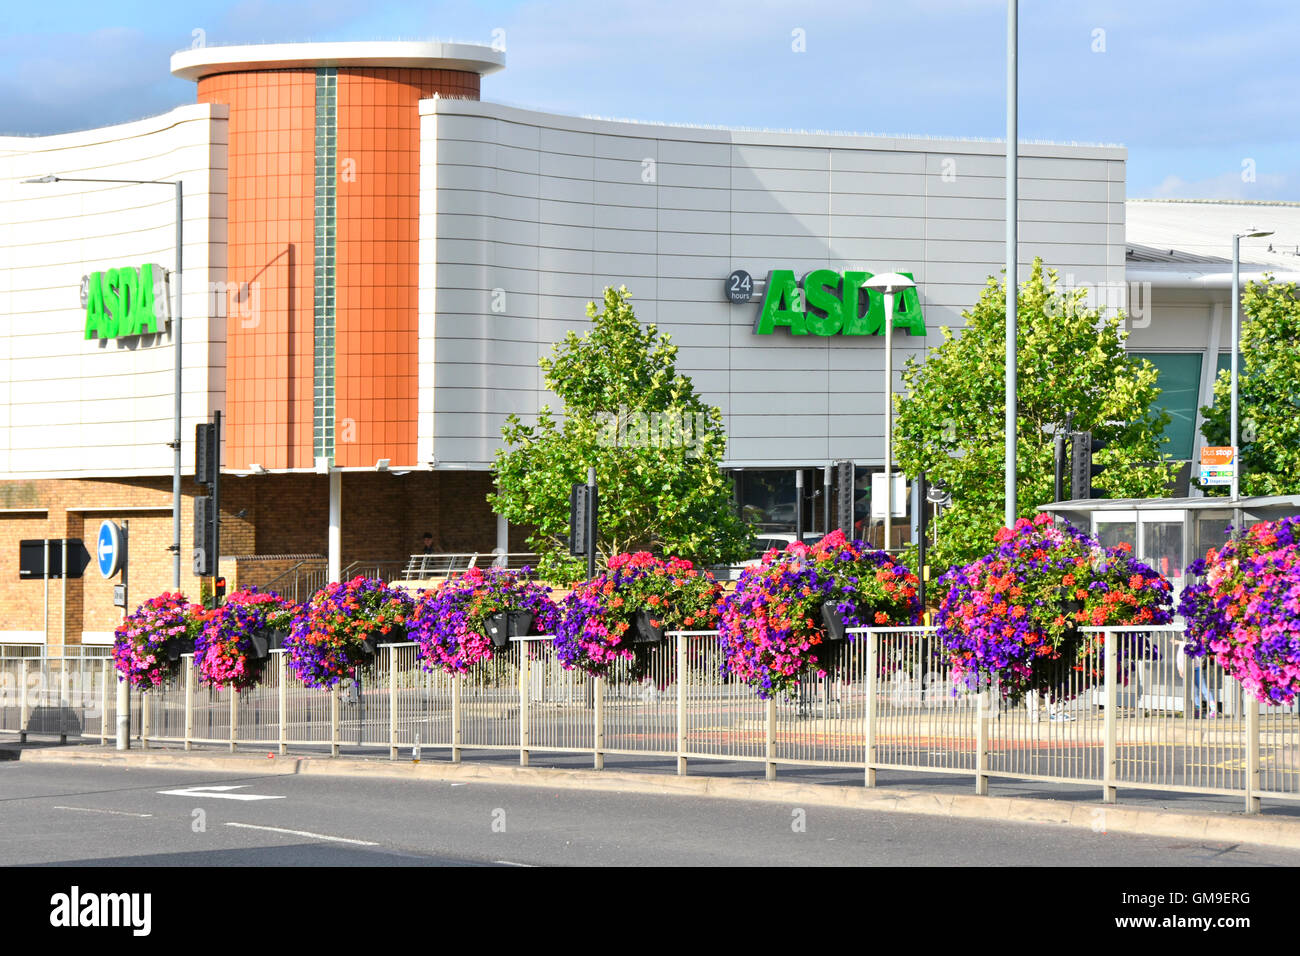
374, 259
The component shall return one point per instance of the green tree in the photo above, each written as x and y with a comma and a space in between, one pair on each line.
1070, 361
1268, 401
655, 445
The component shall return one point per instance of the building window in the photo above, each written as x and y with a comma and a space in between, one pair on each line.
323, 364
1180, 396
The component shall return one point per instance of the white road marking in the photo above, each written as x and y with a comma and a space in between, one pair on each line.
303, 833
511, 863
120, 813
219, 792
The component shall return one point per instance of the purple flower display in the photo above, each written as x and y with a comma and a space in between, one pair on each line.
1247, 610
449, 622
329, 633
771, 629
1014, 614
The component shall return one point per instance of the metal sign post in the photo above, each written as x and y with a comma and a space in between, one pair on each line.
123, 688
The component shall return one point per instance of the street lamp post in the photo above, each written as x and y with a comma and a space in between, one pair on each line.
1236, 308
177, 326
888, 283
1013, 181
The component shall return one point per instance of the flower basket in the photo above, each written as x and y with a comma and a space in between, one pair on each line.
342, 627
467, 620
236, 640
645, 629
833, 620
599, 619
148, 645
787, 617
1247, 610
178, 648
504, 625
1015, 615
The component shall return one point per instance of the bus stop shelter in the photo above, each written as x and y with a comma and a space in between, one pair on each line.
1170, 533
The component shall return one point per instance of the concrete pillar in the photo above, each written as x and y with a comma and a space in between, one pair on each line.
503, 539
336, 524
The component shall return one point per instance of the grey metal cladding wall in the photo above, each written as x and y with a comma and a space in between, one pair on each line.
549, 210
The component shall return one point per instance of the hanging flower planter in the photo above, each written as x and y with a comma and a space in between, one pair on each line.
342, 627
834, 621
178, 648
622, 613
236, 640
1015, 615
504, 625
788, 616
647, 629
1247, 610
148, 645
467, 620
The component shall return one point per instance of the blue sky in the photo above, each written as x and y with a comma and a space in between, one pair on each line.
1202, 93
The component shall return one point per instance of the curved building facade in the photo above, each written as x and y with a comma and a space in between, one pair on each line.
375, 260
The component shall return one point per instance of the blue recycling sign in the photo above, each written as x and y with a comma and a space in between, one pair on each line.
110, 549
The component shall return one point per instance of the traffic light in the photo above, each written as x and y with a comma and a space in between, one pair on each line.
220, 590
844, 506
1080, 465
205, 452
205, 559
580, 518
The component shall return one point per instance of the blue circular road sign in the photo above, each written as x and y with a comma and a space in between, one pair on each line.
109, 552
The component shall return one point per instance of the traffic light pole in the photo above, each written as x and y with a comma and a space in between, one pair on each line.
591, 523
216, 504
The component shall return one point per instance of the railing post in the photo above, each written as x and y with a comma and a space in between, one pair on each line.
145, 698
455, 717
769, 743
1252, 751
598, 760
189, 706
392, 702
869, 731
103, 704
982, 716
24, 705
523, 703
681, 705
122, 714
1110, 753
282, 704
234, 717
334, 720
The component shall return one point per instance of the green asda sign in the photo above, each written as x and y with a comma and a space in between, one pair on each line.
126, 301
833, 304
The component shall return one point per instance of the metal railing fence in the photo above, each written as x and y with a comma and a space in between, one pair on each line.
1134, 713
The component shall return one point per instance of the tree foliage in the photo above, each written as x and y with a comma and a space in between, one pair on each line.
1268, 393
655, 445
1070, 361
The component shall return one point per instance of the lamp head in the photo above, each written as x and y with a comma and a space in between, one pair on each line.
889, 282
50, 178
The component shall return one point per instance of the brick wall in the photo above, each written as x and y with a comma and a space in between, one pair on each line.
384, 517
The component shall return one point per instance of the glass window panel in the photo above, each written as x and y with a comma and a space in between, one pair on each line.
1180, 396
1211, 531
1163, 548
1111, 533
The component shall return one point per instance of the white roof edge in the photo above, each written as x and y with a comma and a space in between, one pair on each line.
718, 134
400, 54
1186, 276
184, 113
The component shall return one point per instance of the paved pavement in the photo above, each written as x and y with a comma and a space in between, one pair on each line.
132, 814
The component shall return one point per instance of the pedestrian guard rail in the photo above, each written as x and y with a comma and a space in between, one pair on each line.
1137, 713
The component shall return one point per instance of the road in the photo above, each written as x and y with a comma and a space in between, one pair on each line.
92, 816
